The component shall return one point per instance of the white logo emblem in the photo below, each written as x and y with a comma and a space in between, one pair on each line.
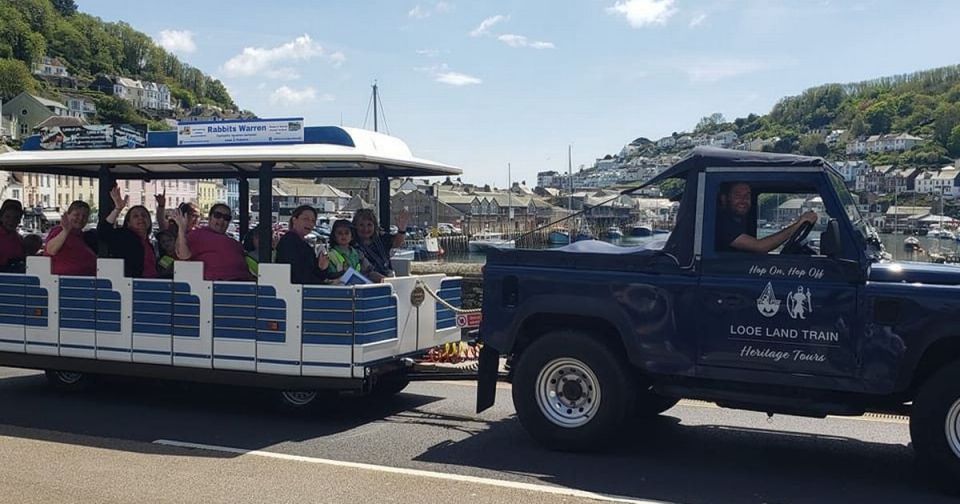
767, 304
799, 303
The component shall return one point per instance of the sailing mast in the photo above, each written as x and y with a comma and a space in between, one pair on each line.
375, 98
570, 194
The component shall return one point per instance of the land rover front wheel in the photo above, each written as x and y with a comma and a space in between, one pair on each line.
935, 427
572, 391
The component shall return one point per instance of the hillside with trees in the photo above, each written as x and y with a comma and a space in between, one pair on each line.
924, 104
33, 29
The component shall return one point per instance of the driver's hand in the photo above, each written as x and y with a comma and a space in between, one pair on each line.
809, 216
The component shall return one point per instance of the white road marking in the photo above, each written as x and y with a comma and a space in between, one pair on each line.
530, 487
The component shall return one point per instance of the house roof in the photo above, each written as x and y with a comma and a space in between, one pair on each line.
48, 103
58, 121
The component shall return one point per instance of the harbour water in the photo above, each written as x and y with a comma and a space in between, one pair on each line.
892, 243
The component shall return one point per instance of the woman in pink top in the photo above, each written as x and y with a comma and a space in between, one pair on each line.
69, 254
222, 256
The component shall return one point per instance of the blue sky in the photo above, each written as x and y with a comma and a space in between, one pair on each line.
485, 83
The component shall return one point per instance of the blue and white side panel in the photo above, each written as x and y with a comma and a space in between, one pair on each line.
327, 331
375, 327
446, 330
153, 321
408, 316
279, 324
13, 331
192, 316
235, 326
78, 316
43, 339
114, 309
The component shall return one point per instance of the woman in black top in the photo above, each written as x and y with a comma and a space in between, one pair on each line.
376, 245
132, 241
292, 249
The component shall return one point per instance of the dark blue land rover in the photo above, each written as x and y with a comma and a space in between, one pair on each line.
823, 325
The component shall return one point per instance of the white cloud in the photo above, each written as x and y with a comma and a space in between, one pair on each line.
421, 12
698, 20
265, 61
442, 74
513, 40
288, 96
457, 79
640, 13
486, 24
177, 41
430, 53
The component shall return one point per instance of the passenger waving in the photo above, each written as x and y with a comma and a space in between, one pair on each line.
132, 241
69, 254
305, 266
221, 255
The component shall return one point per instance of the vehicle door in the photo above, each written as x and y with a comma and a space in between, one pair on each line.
787, 313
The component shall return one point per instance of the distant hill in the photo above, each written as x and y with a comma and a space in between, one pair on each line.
33, 29
924, 104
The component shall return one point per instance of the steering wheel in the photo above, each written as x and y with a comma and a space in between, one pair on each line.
794, 244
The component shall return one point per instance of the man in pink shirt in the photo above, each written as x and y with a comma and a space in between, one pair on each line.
69, 254
11, 245
222, 256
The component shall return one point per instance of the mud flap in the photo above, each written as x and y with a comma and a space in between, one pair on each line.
487, 377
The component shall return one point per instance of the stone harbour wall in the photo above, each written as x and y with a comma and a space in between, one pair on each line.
472, 279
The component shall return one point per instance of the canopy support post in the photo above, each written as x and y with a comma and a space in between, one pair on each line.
244, 204
104, 203
384, 202
265, 251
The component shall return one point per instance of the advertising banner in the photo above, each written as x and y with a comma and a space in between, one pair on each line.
244, 132
94, 136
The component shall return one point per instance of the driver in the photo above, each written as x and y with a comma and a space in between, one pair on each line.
732, 232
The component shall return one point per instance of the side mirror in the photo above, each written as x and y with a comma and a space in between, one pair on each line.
830, 245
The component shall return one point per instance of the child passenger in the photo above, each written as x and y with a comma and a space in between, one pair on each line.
342, 255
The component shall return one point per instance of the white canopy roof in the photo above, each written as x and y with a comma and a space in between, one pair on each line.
373, 154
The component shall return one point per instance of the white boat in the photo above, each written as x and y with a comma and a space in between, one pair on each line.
486, 240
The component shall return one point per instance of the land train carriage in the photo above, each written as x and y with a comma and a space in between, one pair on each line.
269, 333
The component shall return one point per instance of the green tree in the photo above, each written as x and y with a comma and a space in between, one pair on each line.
953, 143
15, 78
66, 8
111, 109
879, 117
813, 145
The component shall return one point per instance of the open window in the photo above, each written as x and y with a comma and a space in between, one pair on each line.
763, 208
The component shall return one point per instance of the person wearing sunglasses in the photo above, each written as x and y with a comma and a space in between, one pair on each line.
222, 256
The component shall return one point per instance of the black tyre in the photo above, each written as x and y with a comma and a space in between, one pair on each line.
572, 391
935, 427
298, 400
68, 381
650, 404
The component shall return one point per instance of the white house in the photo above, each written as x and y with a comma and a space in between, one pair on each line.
52, 67
942, 181
666, 142
80, 106
723, 139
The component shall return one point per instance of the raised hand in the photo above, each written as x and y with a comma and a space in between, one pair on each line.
161, 199
403, 218
181, 219
119, 201
66, 223
323, 262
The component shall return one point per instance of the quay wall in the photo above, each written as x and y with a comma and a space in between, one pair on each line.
472, 280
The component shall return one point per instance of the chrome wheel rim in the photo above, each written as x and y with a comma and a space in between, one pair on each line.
953, 428
568, 392
68, 377
299, 398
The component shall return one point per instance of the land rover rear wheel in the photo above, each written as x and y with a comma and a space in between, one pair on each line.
935, 427
572, 391
67, 381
